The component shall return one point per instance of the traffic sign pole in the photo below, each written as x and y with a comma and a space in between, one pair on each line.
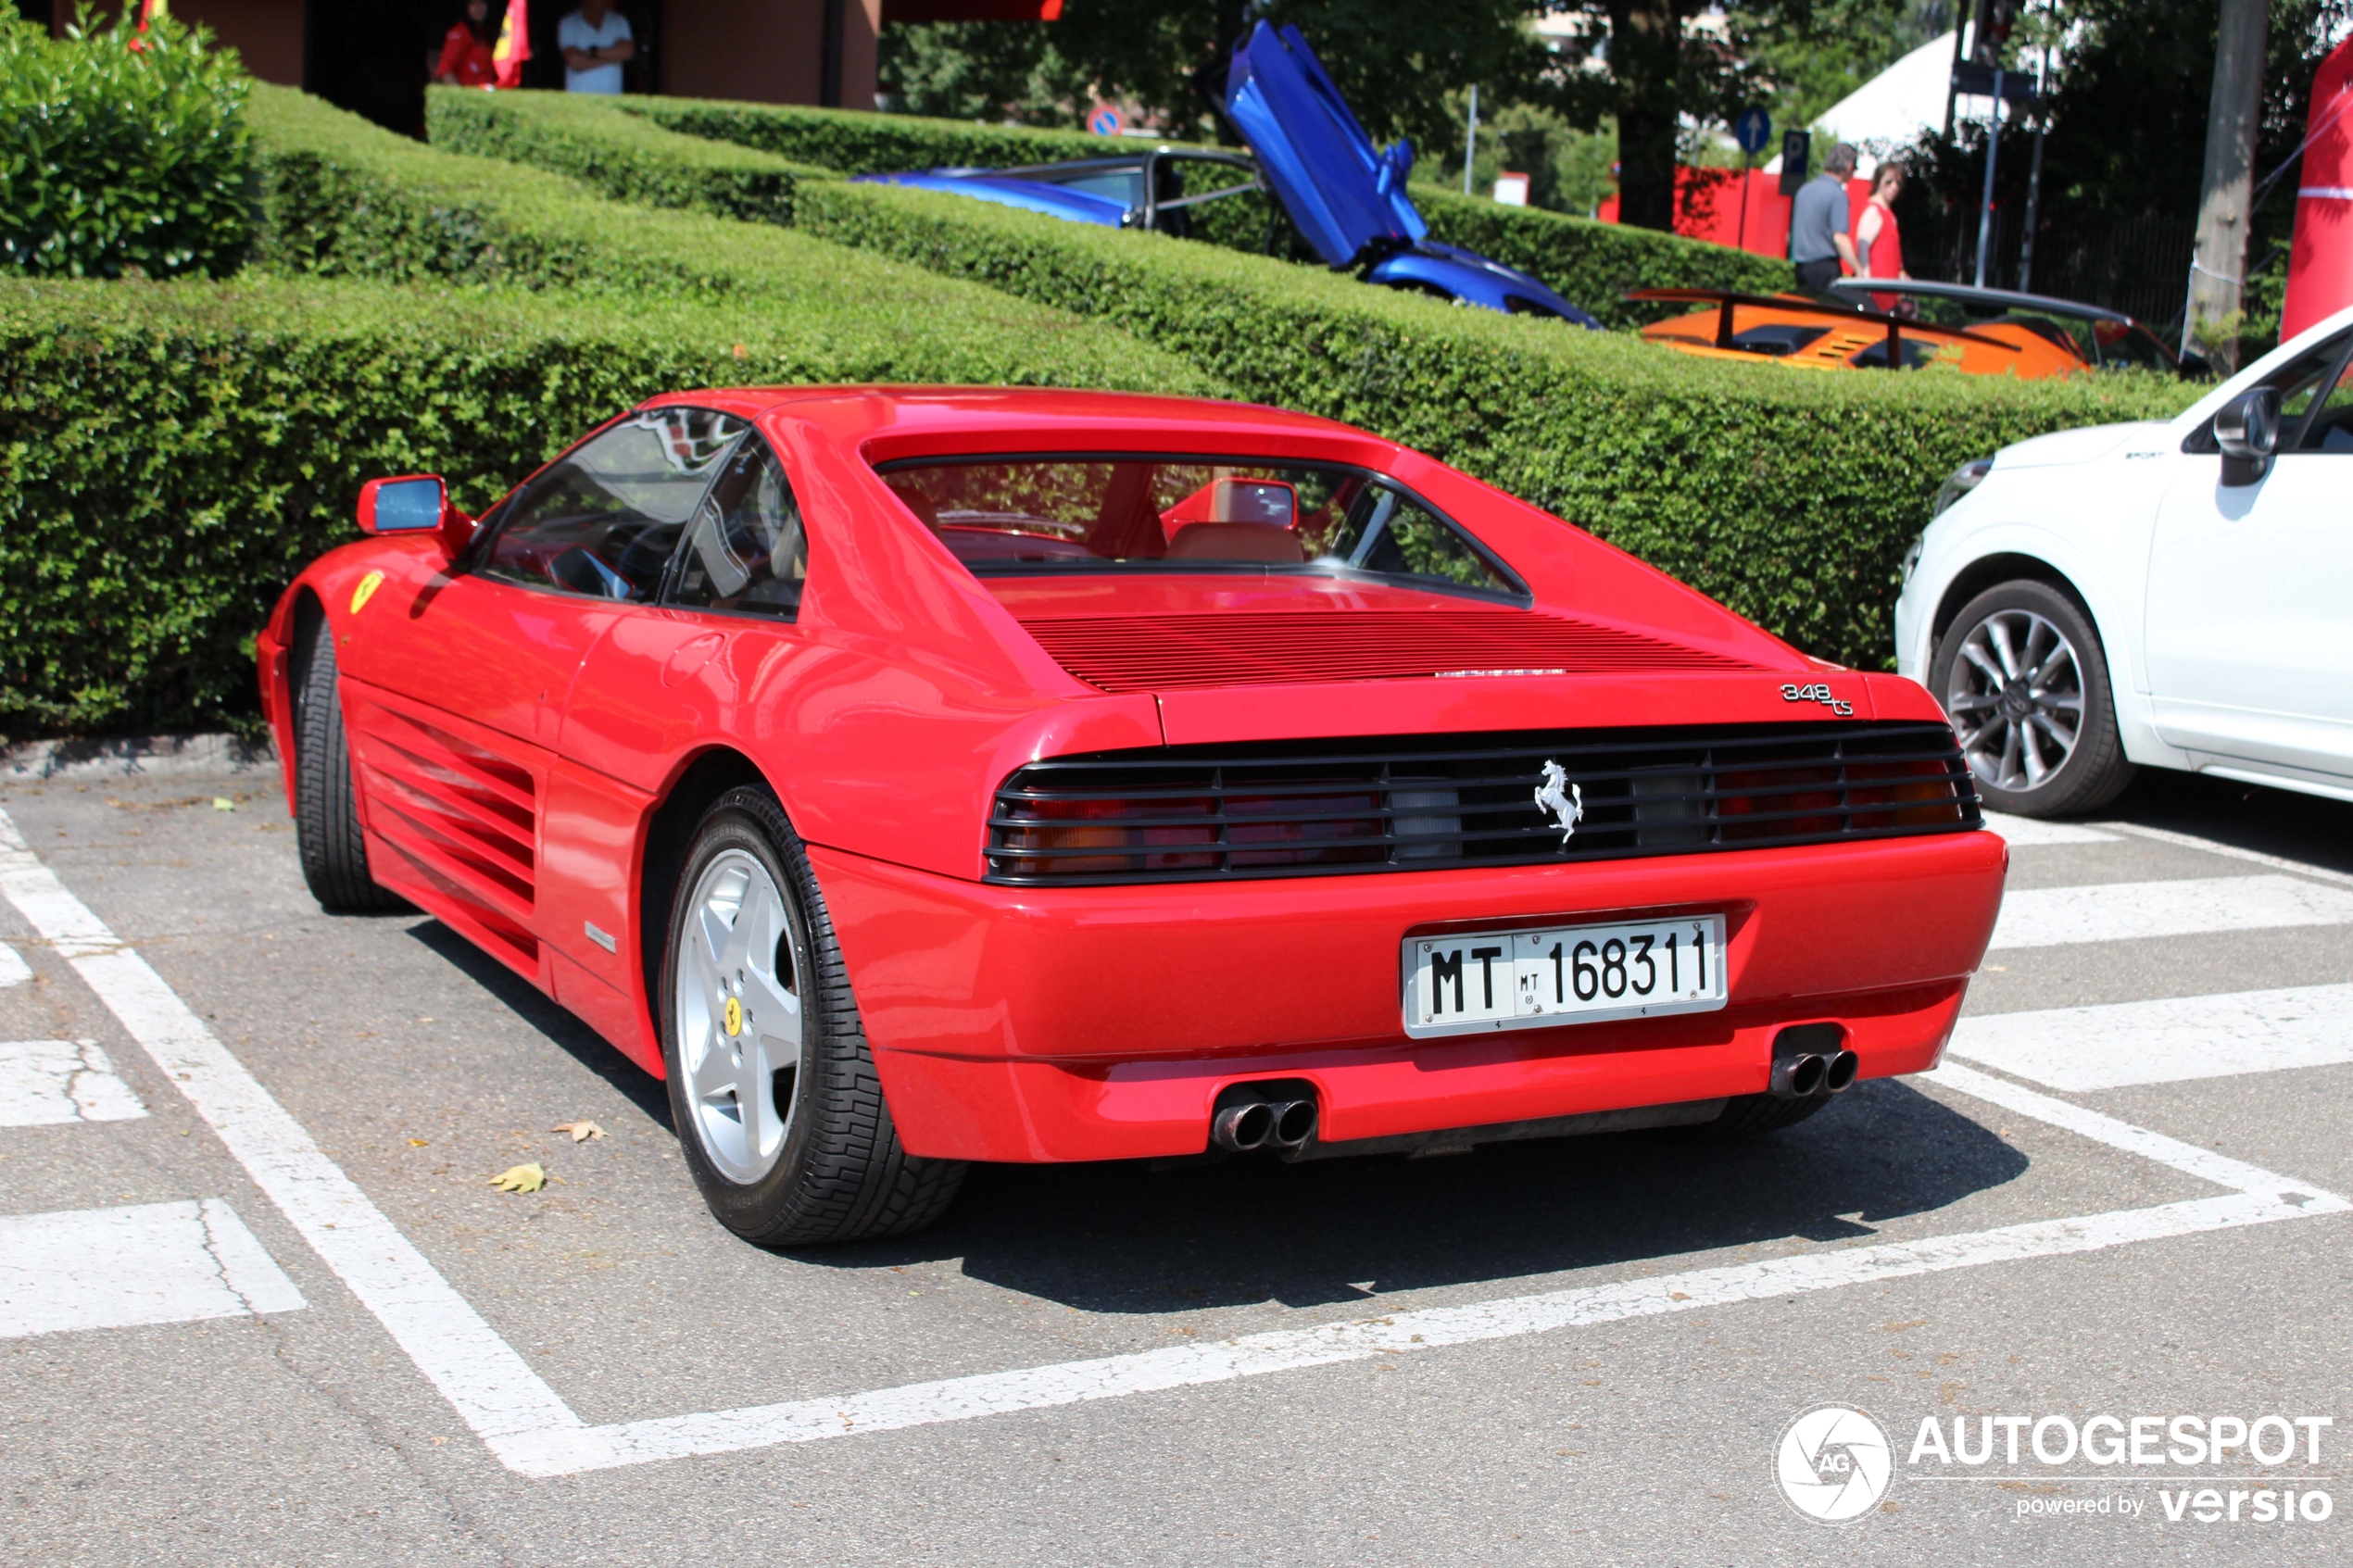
1752, 131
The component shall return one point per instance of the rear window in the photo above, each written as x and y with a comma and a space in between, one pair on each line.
1045, 516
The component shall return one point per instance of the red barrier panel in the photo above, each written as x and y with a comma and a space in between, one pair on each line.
1708, 206
2319, 266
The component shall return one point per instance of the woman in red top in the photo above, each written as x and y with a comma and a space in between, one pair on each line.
466, 51
1876, 240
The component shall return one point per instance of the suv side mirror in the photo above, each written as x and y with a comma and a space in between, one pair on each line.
2247, 429
415, 503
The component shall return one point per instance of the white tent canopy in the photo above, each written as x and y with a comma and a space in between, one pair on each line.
1888, 112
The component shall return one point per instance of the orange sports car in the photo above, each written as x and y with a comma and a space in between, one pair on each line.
1983, 331
1819, 335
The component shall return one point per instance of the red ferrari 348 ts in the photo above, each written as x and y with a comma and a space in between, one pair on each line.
913, 777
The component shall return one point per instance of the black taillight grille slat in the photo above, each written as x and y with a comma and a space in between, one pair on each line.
1304, 808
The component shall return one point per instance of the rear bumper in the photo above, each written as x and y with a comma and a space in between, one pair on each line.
1031, 1024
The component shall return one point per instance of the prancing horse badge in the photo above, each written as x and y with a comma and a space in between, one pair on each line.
1566, 801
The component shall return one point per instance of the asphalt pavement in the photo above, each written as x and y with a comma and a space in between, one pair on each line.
260, 1303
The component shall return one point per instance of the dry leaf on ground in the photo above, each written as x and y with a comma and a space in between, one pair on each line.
222, 803
581, 1131
520, 1178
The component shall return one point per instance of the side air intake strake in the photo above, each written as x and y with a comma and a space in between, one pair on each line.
1428, 803
1160, 653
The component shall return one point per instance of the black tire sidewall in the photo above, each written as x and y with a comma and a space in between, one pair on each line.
2096, 770
328, 838
739, 821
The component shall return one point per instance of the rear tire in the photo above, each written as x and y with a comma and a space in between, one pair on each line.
334, 855
771, 1082
1749, 1116
2021, 673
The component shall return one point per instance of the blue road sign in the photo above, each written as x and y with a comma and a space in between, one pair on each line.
1106, 121
1752, 129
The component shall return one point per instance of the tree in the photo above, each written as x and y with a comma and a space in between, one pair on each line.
1395, 61
2234, 112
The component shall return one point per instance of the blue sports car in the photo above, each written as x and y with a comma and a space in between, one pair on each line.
1347, 198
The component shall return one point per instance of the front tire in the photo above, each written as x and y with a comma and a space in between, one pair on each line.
334, 854
771, 1082
2022, 675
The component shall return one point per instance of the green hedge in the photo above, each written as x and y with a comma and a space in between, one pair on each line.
175, 452
170, 454
119, 159
620, 155
1788, 495
341, 197
1589, 263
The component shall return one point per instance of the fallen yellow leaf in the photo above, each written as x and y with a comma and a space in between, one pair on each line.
416, 1143
222, 803
581, 1131
520, 1178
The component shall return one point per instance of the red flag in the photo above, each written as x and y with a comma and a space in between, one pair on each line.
155, 10
514, 42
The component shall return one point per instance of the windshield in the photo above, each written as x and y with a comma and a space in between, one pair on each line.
1037, 516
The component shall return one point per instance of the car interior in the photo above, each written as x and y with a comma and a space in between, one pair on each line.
1089, 514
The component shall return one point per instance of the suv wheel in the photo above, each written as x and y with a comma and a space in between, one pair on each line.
2021, 675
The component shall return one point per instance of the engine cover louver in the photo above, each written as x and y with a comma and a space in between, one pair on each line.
1209, 813
1146, 653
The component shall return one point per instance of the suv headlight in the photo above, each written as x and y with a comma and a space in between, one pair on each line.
1966, 478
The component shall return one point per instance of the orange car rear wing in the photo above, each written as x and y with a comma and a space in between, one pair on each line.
1726, 301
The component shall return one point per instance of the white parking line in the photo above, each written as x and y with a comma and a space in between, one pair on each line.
44, 1082
476, 1369
112, 1268
2120, 911
14, 971
533, 1432
2083, 1048
2028, 831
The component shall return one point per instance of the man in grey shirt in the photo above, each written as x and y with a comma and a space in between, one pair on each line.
1818, 237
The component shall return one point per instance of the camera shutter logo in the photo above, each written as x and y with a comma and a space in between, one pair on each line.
1834, 1464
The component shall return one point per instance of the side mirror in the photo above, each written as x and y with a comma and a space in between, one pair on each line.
416, 503
2248, 431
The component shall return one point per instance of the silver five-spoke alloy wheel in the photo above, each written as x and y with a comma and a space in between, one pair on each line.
738, 1016
2016, 697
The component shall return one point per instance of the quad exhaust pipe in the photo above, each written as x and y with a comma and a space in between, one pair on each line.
1279, 1118
1810, 1060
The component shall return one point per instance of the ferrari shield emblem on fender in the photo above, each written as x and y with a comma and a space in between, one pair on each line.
366, 591
1566, 801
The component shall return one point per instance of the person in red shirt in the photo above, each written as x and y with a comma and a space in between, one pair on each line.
466, 50
1877, 243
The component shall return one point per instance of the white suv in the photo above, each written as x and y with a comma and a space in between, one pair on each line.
2176, 594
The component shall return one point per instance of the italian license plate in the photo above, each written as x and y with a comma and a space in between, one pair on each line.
1547, 975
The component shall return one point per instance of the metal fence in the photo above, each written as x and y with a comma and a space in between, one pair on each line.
2138, 265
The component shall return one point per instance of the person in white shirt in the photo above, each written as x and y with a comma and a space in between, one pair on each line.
596, 43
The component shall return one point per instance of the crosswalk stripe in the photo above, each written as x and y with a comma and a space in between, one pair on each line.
2026, 831
2165, 1042
2119, 911
44, 1082
14, 971
113, 1268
